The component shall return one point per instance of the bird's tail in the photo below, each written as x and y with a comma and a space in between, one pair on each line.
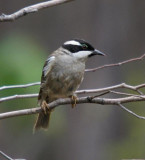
42, 121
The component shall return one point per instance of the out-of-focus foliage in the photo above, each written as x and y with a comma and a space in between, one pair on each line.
21, 61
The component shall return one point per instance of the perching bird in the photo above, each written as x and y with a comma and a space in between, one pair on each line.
62, 75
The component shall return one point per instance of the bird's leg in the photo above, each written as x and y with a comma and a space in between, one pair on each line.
74, 98
46, 108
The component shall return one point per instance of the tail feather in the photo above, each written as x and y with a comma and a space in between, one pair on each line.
42, 121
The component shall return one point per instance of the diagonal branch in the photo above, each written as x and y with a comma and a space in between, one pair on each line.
7, 157
54, 104
123, 93
116, 64
31, 9
131, 112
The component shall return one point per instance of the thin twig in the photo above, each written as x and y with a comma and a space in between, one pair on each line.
102, 101
31, 9
18, 97
102, 94
19, 86
116, 64
125, 94
131, 112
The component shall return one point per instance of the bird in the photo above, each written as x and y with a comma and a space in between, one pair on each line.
62, 74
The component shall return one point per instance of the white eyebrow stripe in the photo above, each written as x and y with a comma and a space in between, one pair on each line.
72, 42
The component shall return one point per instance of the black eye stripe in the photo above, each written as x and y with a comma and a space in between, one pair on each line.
77, 48
73, 48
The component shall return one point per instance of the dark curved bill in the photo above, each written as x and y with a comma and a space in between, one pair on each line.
97, 52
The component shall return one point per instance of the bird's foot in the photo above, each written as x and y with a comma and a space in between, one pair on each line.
74, 98
45, 107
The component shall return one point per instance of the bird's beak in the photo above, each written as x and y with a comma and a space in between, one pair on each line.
97, 52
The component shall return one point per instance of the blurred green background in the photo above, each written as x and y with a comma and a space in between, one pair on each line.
87, 132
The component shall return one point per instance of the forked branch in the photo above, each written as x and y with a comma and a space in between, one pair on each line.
54, 104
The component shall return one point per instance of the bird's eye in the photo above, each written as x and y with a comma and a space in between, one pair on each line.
84, 46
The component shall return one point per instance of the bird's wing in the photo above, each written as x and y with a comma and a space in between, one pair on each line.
45, 73
47, 68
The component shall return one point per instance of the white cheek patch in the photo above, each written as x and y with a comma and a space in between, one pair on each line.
82, 54
72, 42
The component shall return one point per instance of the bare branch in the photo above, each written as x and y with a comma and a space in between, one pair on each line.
116, 64
103, 101
31, 9
19, 86
107, 89
131, 112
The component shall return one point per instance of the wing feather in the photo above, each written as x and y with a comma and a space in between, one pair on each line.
47, 67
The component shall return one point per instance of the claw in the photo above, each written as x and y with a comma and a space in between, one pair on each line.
45, 108
74, 98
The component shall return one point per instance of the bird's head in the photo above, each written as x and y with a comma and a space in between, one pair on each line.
81, 49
